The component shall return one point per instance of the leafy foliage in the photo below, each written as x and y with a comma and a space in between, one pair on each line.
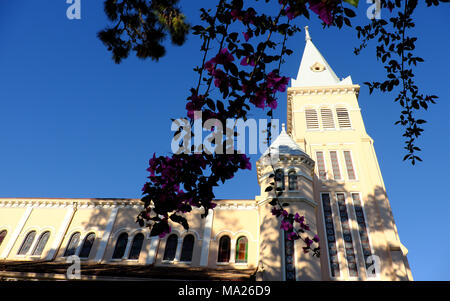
242, 74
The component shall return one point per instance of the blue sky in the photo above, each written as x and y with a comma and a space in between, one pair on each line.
75, 125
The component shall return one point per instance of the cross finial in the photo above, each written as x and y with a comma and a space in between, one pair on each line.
308, 37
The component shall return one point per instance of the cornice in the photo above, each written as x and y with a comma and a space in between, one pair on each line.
289, 199
69, 203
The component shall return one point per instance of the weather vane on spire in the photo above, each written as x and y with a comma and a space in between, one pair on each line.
308, 37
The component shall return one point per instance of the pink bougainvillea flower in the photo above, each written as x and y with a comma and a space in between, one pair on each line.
316, 238
286, 226
248, 35
223, 57
276, 82
323, 10
248, 61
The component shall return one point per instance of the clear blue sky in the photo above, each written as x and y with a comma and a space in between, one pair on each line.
74, 124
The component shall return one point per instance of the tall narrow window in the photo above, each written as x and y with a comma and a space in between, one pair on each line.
279, 178
39, 248
241, 250
136, 246
72, 245
187, 248
321, 166
335, 165
121, 246
87, 245
349, 164
27, 242
343, 118
327, 118
224, 249
2, 236
312, 122
363, 233
331, 235
348, 239
293, 180
171, 247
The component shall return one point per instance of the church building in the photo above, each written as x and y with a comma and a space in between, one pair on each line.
330, 174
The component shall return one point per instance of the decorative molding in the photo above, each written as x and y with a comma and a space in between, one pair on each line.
289, 199
206, 238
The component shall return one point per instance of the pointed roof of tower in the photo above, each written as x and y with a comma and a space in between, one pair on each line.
315, 70
284, 145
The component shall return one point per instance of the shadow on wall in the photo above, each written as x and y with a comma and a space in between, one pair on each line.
383, 239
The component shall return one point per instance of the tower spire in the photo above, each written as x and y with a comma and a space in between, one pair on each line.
314, 69
307, 36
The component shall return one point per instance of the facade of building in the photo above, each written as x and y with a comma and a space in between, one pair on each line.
331, 176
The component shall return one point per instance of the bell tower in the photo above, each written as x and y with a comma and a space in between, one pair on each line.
359, 238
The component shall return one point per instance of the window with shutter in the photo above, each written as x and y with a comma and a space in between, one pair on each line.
327, 118
343, 118
312, 122
335, 165
321, 166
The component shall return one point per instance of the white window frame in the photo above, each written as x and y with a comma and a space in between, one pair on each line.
352, 158
338, 163
324, 163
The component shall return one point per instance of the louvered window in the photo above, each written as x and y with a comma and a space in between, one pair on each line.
349, 164
327, 118
321, 166
343, 118
312, 122
335, 165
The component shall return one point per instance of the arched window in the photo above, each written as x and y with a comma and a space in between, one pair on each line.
42, 241
121, 245
136, 246
293, 180
2, 236
241, 250
224, 249
73, 244
327, 118
279, 178
27, 242
87, 245
187, 248
171, 247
